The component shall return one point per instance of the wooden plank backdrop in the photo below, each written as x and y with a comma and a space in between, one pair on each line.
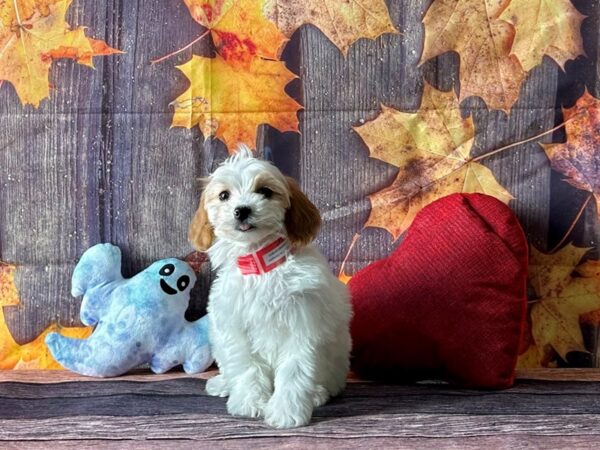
99, 163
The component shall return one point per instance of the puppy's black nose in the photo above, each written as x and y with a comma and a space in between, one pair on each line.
241, 212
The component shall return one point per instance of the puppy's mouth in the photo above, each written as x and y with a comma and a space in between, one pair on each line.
243, 227
166, 288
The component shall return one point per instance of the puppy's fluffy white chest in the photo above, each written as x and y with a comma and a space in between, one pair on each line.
273, 308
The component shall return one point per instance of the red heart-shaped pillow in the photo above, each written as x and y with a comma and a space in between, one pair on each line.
451, 299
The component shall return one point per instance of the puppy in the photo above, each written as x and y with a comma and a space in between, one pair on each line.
279, 319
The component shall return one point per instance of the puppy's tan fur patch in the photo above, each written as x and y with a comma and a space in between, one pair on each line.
302, 218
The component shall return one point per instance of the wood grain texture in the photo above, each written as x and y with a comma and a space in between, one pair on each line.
98, 163
178, 409
65, 376
516, 442
144, 375
49, 191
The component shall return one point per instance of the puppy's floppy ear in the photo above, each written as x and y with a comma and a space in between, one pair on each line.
201, 233
302, 219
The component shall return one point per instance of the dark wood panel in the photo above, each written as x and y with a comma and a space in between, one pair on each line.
341, 92
49, 159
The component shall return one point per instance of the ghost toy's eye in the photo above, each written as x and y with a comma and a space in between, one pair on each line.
183, 282
167, 270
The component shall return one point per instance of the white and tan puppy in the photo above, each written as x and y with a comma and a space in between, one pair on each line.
279, 319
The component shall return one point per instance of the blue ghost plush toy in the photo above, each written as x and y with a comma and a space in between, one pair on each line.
138, 320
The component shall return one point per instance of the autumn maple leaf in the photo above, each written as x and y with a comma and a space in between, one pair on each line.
239, 28
9, 295
483, 42
579, 157
77, 46
431, 149
32, 34
35, 354
230, 101
544, 27
535, 357
565, 291
342, 22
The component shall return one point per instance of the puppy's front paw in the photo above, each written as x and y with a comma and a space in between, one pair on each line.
283, 413
247, 404
217, 386
320, 396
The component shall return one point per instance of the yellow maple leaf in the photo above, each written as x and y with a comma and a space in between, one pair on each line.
535, 357
31, 32
590, 269
578, 158
35, 354
343, 22
483, 42
431, 149
230, 101
343, 277
77, 46
544, 27
564, 294
239, 28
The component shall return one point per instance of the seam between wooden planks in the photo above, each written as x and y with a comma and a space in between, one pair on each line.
64, 376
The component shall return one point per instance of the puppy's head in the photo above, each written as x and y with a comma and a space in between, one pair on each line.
246, 200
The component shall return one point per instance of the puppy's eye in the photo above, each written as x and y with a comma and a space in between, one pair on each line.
265, 192
224, 196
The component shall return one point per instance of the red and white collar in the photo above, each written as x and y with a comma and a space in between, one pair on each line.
265, 259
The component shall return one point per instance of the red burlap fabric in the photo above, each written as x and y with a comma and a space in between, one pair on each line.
450, 301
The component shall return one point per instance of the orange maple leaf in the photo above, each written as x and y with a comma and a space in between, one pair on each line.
579, 157
544, 27
32, 34
8, 291
35, 354
342, 22
239, 28
483, 42
230, 101
431, 149
75, 45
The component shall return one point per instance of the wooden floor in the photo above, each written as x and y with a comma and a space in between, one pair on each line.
61, 410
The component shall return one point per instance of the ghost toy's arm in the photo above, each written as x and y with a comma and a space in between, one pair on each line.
94, 305
188, 346
98, 267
